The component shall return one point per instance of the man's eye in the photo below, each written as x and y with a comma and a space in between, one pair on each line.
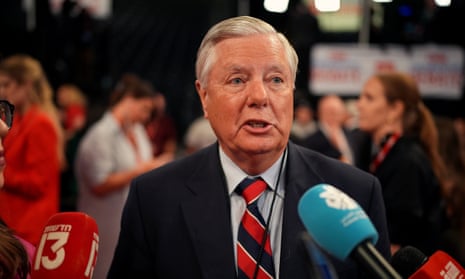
277, 80
236, 81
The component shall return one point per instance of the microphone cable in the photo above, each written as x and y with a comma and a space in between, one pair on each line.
268, 219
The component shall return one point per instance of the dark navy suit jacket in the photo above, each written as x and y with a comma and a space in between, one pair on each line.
176, 222
359, 144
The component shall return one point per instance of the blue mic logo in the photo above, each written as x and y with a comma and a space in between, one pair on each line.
334, 220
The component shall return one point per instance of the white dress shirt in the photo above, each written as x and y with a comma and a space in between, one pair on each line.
234, 175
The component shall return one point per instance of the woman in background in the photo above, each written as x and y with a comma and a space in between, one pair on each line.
72, 104
162, 130
450, 149
405, 159
113, 151
15, 253
33, 149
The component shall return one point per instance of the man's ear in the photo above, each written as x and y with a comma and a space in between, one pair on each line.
203, 95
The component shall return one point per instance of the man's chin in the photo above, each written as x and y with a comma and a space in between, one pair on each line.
258, 147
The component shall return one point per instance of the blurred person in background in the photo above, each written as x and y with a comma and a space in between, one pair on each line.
449, 149
405, 159
72, 104
15, 253
113, 151
331, 138
453, 241
304, 123
351, 122
459, 124
199, 135
34, 148
15, 262
161, 130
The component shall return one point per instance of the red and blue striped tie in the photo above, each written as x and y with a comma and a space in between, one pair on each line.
254, 257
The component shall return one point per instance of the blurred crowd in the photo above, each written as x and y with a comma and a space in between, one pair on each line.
59, 160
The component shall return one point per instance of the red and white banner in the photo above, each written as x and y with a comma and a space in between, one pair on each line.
343, 68
438, 70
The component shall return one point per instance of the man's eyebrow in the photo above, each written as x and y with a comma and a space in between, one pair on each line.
277, 67
235, 68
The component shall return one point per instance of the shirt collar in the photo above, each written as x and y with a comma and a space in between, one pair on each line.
234, 175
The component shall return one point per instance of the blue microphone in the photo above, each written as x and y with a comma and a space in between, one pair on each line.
338, 224
320, 267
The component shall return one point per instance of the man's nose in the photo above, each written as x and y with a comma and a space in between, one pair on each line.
258, 94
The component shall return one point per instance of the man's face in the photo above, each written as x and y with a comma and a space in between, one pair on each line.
248, 97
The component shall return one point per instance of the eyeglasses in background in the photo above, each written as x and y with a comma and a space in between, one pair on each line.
6, 112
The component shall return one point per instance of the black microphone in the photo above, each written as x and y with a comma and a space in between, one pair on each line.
340, 226
413, 264
407, 260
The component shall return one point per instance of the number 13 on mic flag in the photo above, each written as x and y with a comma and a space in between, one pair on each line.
68, 247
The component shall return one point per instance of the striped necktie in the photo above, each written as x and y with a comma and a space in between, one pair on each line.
254, 257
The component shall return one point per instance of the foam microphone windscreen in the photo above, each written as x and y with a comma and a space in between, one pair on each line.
334, 220
407, 260
342, 228
68, 247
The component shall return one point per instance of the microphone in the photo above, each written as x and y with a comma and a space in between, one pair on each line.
68, 247
413, 264
340, 226
320, 267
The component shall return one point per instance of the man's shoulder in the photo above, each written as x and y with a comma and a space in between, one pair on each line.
329, 170
182, 169
316, 158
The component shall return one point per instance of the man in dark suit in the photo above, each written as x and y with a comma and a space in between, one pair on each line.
182, 220
332, 138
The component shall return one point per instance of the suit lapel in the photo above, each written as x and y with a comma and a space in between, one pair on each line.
208, 218
299, 179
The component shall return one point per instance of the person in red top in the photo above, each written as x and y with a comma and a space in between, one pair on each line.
161, 130
73, 106
32, 149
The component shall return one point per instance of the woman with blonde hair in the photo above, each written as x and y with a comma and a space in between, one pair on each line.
34, 148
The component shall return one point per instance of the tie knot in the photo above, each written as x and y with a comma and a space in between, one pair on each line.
251, 189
